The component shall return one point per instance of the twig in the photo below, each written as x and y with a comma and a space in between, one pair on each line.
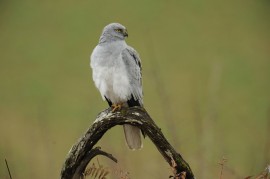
8, 169
89, 156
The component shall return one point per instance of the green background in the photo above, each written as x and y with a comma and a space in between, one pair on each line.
206, 81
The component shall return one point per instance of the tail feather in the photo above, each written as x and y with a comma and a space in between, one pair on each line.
133, 137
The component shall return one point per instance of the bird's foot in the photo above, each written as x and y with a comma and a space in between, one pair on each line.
116, 107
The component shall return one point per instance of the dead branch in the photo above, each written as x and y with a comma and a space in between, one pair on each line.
82, 152
8, 169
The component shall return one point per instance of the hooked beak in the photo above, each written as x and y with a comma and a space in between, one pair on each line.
125, 33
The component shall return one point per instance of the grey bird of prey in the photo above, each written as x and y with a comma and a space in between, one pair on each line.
117, 75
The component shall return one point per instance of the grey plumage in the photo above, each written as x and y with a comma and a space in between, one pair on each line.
117, 74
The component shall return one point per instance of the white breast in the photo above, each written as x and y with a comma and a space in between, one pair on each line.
109, 72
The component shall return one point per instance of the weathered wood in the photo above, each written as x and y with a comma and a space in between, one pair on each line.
82, 152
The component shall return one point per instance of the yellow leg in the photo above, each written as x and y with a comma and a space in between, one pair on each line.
116, 107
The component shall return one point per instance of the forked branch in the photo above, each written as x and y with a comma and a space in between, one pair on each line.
82, 152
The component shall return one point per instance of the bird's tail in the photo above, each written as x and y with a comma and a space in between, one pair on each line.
133, 137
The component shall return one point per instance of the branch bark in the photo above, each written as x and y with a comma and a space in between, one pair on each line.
82, 152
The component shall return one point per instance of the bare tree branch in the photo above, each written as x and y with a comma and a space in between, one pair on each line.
82, 152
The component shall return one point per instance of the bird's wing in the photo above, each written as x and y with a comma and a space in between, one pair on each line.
132, 62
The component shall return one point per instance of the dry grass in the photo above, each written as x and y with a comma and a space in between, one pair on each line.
98, 171
222, 163
262, 175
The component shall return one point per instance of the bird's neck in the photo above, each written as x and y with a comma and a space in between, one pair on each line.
109, 39
112, 43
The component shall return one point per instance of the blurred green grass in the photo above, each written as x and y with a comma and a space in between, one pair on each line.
206, 76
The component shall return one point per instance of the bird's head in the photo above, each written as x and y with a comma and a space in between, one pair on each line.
113, 32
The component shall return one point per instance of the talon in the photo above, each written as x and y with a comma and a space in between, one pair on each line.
116, 107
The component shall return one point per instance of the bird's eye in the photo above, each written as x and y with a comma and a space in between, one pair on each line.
118, 30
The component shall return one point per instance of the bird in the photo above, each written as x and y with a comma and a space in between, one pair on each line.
117, 74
